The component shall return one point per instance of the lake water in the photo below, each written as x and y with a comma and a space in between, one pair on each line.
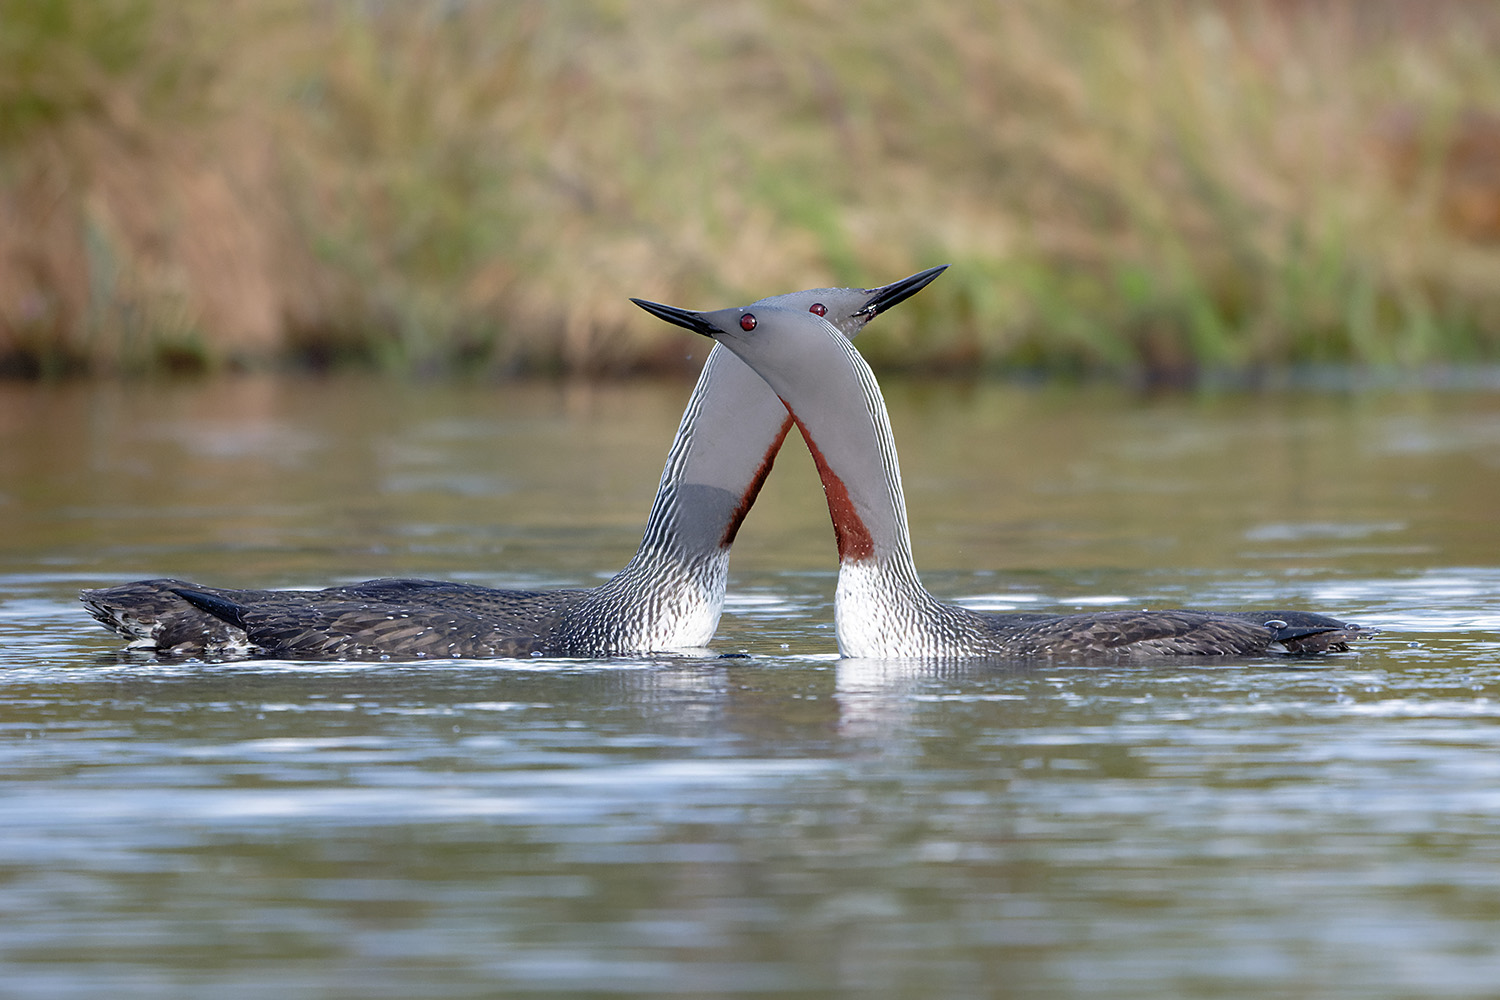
787, 824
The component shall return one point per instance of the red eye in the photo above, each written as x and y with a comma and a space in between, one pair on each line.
818, 309
747, 322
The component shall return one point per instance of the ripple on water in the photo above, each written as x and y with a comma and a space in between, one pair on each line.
789, 821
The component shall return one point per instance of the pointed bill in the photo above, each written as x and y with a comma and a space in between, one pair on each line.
885, 296
685, 318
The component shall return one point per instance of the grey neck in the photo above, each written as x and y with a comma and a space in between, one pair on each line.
882, 609
725, 445
836, 402
671, 593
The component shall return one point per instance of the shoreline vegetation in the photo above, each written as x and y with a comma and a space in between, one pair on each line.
1160, 188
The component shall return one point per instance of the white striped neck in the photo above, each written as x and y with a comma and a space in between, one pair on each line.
881, 607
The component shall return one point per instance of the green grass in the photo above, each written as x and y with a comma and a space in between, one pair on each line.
1168, 187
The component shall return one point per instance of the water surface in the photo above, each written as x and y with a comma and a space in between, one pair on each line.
785, 823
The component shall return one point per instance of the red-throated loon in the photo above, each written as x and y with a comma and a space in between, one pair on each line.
668, 597
881, 609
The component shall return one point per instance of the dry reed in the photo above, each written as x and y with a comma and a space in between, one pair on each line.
1153, 186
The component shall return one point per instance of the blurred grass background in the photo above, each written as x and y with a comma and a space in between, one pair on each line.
1152, 187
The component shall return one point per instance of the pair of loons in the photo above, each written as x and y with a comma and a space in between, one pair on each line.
780, 361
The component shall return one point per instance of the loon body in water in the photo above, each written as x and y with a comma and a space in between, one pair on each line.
668, 597
882, 609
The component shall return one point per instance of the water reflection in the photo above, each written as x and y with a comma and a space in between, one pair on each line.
785, 822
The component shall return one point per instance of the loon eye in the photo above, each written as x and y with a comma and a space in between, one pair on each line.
747, 322
818, 309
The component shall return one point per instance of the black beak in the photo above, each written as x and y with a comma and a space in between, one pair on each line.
884, 297
681, 317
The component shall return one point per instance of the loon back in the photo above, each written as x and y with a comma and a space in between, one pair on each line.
1174, 632
380, 618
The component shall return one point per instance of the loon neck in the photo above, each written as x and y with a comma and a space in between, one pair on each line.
726, 443
671, 593
882, 609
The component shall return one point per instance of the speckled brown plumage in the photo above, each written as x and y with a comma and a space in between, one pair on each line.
1173, 632
407, 618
